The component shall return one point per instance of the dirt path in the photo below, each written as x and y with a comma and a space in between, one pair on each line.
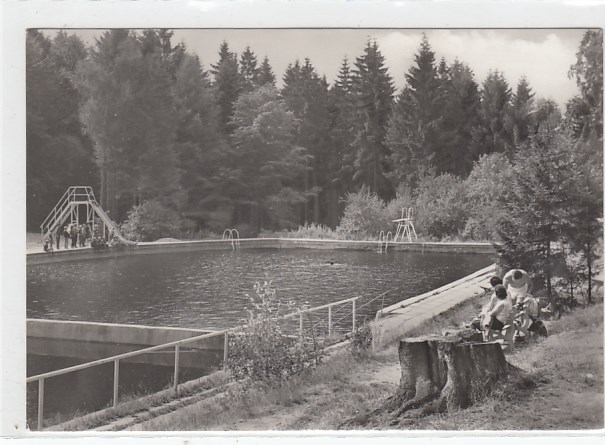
320, 406
310, 414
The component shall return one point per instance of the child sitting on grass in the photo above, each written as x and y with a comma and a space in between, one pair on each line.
501, 312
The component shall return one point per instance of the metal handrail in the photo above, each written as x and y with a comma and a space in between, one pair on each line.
230, 237
40, 378
70, 195
125, 355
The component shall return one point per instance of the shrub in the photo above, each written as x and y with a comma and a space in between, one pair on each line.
486, 188
307, 231
150, 221
261, 350
364, 214
361, 340
440, 206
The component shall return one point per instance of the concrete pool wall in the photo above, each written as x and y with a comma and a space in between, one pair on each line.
92, 340
253, 243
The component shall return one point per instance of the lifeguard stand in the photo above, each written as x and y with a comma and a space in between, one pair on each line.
405, 225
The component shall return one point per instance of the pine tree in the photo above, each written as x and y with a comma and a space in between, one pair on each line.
202, 154
248, 70
534, 224
227, 84
306, 95
492, 133
414, 129
373, 94
341, 162
460, 115
265, 75
522, 109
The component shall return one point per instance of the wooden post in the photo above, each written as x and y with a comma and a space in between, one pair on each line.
226, 350
176, 368
116, 381
40, 404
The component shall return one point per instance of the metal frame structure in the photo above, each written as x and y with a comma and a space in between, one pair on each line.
405, 225
69, 208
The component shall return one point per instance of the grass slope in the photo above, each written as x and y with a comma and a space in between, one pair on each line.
561, 388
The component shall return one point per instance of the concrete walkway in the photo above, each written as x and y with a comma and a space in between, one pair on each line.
395, 321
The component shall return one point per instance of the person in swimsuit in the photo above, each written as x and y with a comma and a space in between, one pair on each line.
518, 284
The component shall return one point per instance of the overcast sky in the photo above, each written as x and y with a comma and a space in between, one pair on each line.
542, 55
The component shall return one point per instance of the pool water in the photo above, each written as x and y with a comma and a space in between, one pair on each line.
209, 290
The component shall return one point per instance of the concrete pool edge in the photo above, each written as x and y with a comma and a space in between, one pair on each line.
254, 243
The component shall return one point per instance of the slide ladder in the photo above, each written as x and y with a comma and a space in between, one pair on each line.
78, 205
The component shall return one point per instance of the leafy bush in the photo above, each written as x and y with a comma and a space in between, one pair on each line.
261, 350
307, 231
150, 221
486, 188
361, 341
440, 206
364, 214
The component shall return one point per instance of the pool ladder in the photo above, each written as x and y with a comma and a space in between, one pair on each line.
233, 236
383, 241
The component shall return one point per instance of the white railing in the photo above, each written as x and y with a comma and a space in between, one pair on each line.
40, 378
383, 241
233, 236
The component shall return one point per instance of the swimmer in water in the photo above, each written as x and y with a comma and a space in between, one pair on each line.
331, 262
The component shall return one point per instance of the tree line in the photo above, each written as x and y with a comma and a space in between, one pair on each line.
151, 128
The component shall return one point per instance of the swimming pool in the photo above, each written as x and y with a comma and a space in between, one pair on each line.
208, 289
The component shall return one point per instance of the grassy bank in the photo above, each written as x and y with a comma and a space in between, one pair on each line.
561, 387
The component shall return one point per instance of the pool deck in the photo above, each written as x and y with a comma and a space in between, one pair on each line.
397, 320
35, 255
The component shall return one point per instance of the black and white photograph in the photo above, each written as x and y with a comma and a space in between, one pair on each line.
311, 228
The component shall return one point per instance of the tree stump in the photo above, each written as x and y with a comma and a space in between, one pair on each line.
439, 375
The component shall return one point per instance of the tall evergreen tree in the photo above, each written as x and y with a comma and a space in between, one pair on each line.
522, 109
414, 129
306, 94
533, 226
373, 93
227, 84
492, 133
265, 74
159, 41
249, 71
341, 162
202, 154
461, 103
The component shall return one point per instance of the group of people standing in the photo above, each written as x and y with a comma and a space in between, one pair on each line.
74, 235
